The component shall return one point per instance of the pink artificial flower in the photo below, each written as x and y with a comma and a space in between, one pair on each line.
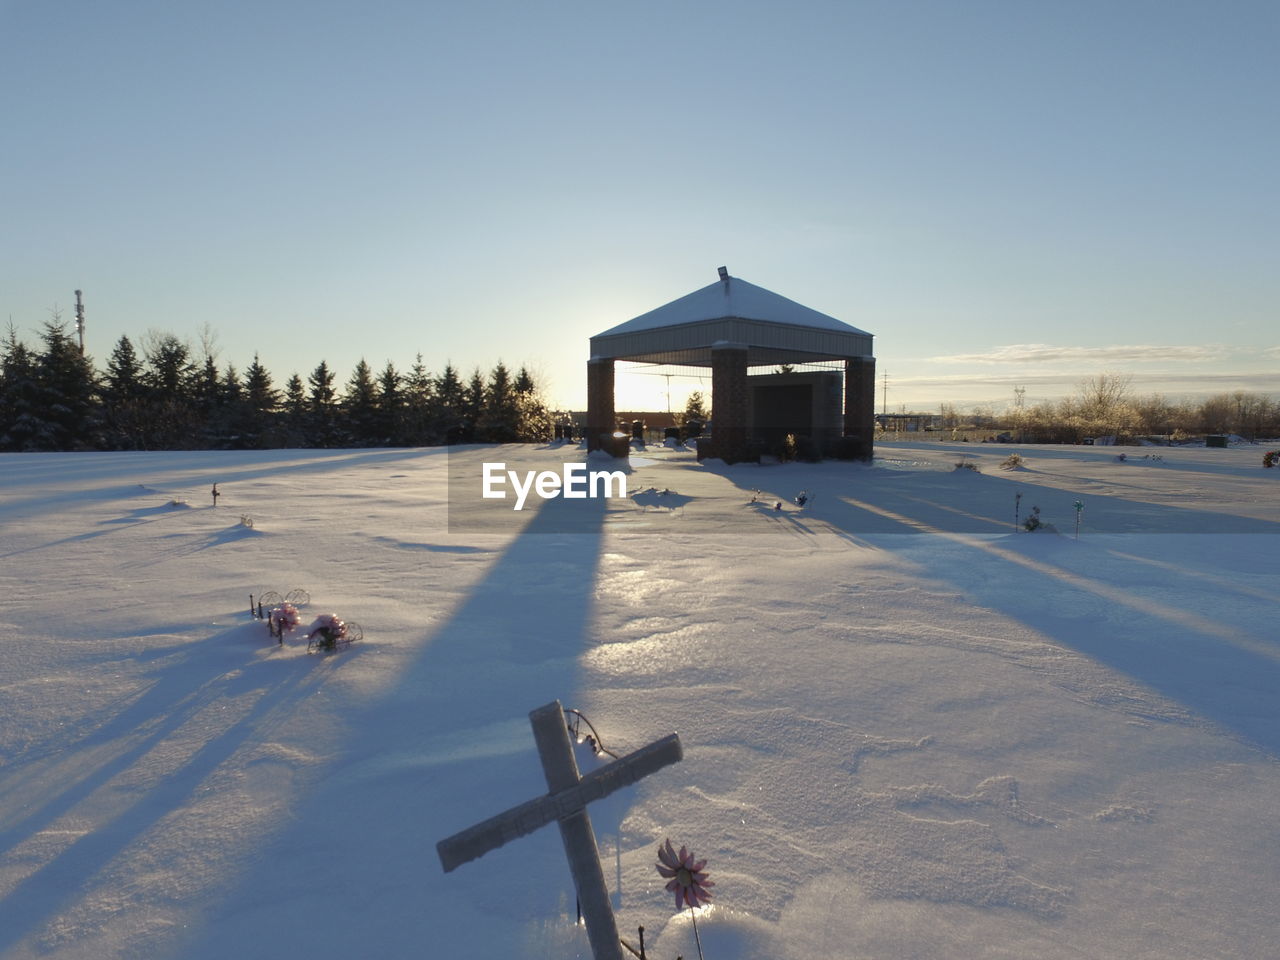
285, 617
329, 628
688, 879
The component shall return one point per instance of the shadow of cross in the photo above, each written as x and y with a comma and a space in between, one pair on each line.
566, 802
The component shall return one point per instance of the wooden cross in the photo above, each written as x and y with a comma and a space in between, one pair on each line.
566, 802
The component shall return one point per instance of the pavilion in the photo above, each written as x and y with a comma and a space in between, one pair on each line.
730, 326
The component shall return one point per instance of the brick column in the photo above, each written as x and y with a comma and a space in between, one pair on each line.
600, 414
730, 426
860, 404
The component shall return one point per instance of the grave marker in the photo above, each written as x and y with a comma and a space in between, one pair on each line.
566, 802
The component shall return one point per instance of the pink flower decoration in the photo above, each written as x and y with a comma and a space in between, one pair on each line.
285, 617
688, 879
328, 628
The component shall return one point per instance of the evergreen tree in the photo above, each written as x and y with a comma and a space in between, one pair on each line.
499, 418
169, 368
66, 390
295, 412
226, 419
123, 399
694, 409
390, 406
210, 403
524, 384
209, 390
171, 419
450, 415
321, 394
322, 408
123, 381
19, 396
418, 396
229, 388
259, 401
208, 387
535, 422
473, 398
360, 404
263, 398
500, 388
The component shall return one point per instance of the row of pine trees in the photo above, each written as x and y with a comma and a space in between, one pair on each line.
165, 397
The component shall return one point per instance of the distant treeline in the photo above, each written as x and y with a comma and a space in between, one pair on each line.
1106, 406
164, 397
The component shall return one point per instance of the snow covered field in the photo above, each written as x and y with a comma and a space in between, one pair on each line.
910, 731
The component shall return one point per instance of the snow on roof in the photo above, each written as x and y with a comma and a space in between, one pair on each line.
732, 297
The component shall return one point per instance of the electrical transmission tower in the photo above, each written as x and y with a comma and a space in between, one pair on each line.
80, 320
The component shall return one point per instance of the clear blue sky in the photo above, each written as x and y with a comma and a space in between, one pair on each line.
1023, 192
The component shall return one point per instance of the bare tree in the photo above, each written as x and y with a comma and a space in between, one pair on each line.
1155, 415
1103, 404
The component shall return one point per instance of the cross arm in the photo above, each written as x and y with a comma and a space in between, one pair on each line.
527, 817
490, 834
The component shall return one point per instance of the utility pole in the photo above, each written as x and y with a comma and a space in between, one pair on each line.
884, 396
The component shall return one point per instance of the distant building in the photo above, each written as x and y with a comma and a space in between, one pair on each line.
908, 422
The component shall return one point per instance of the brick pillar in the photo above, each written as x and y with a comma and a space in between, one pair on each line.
600, 414
730, 426
860, 404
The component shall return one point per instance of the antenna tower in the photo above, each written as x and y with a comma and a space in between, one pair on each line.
80, 320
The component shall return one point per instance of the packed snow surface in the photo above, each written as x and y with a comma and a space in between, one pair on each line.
911, 729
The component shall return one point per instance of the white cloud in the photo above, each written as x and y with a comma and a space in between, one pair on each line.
1035, 353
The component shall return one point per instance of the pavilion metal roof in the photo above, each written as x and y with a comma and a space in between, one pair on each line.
732, 311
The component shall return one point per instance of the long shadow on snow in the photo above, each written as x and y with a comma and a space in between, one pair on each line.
113, 525
1213, 669
1208, 668
176, 470
436, 754
859, 499
206, 673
